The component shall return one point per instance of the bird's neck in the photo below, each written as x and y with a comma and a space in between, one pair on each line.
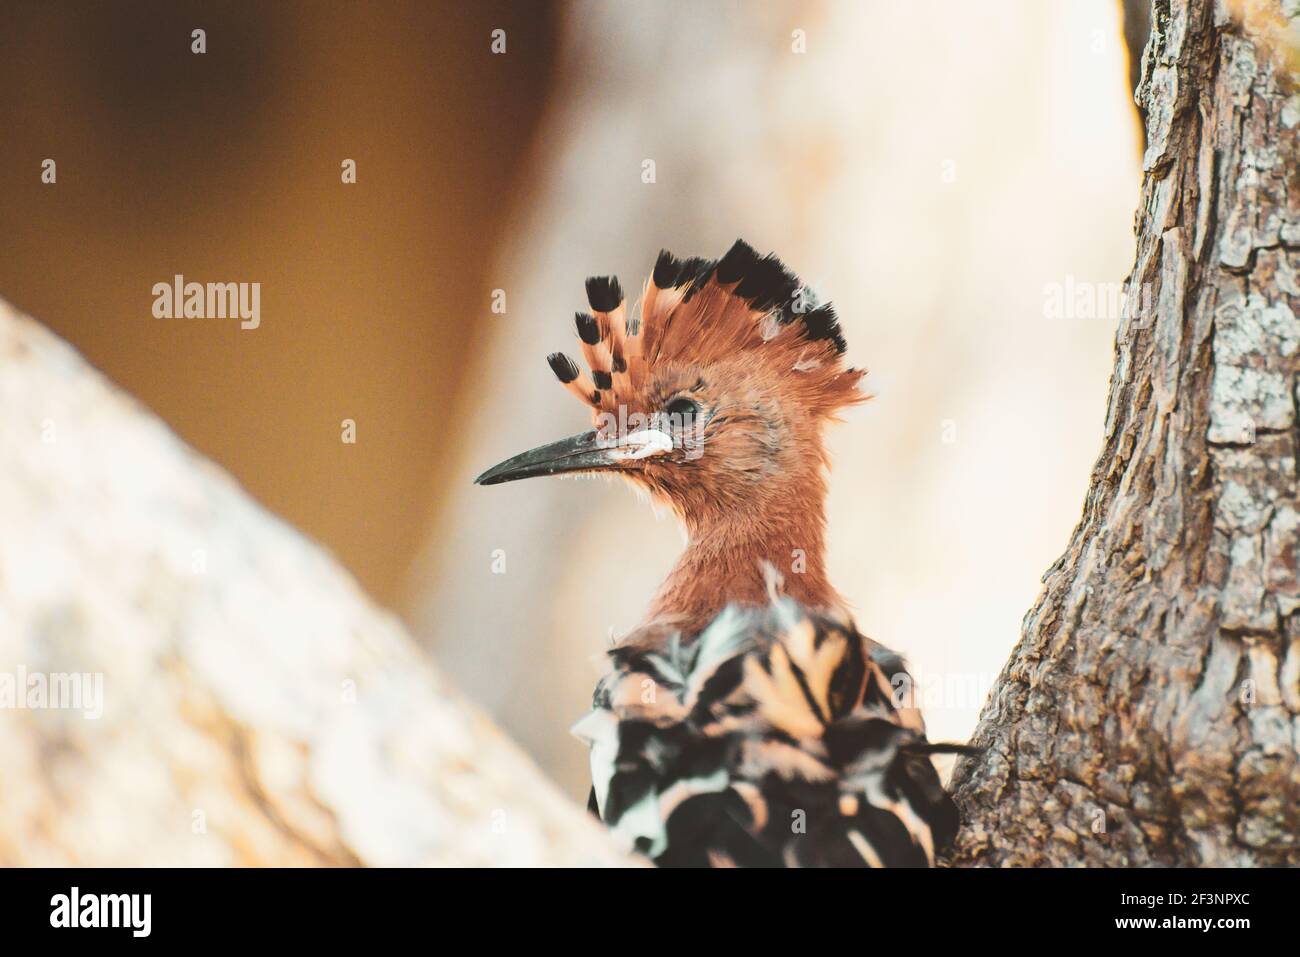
727, 553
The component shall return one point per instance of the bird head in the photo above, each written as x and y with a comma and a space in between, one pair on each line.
712, 395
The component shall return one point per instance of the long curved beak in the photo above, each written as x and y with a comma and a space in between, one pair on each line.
584, 452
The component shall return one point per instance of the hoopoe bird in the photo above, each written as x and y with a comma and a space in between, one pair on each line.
746, 721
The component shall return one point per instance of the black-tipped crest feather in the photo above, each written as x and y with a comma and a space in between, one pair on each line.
604, 293
588, 327
565, 369
763, 281
667, 268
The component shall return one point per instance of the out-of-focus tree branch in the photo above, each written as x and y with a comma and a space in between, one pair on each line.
184, 679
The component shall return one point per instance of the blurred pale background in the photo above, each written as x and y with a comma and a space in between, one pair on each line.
932, 168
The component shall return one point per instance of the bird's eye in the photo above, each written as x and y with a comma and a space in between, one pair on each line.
682, 407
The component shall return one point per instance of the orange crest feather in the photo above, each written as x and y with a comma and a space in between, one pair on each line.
701, 312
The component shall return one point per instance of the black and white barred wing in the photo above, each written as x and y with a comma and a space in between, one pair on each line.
772, 739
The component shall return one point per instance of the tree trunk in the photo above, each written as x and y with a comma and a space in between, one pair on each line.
1149, 714
185, 680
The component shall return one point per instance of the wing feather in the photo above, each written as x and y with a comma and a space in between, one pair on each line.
772, 738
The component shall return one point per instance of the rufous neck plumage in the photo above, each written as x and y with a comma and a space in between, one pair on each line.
729, 550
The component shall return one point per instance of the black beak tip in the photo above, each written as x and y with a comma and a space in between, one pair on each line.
574, 454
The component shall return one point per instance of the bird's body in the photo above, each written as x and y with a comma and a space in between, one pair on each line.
746, 721
773, 738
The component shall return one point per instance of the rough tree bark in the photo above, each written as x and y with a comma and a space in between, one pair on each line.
1149, 714
243, 702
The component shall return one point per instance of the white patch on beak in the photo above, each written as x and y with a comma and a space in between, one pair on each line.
642, 445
